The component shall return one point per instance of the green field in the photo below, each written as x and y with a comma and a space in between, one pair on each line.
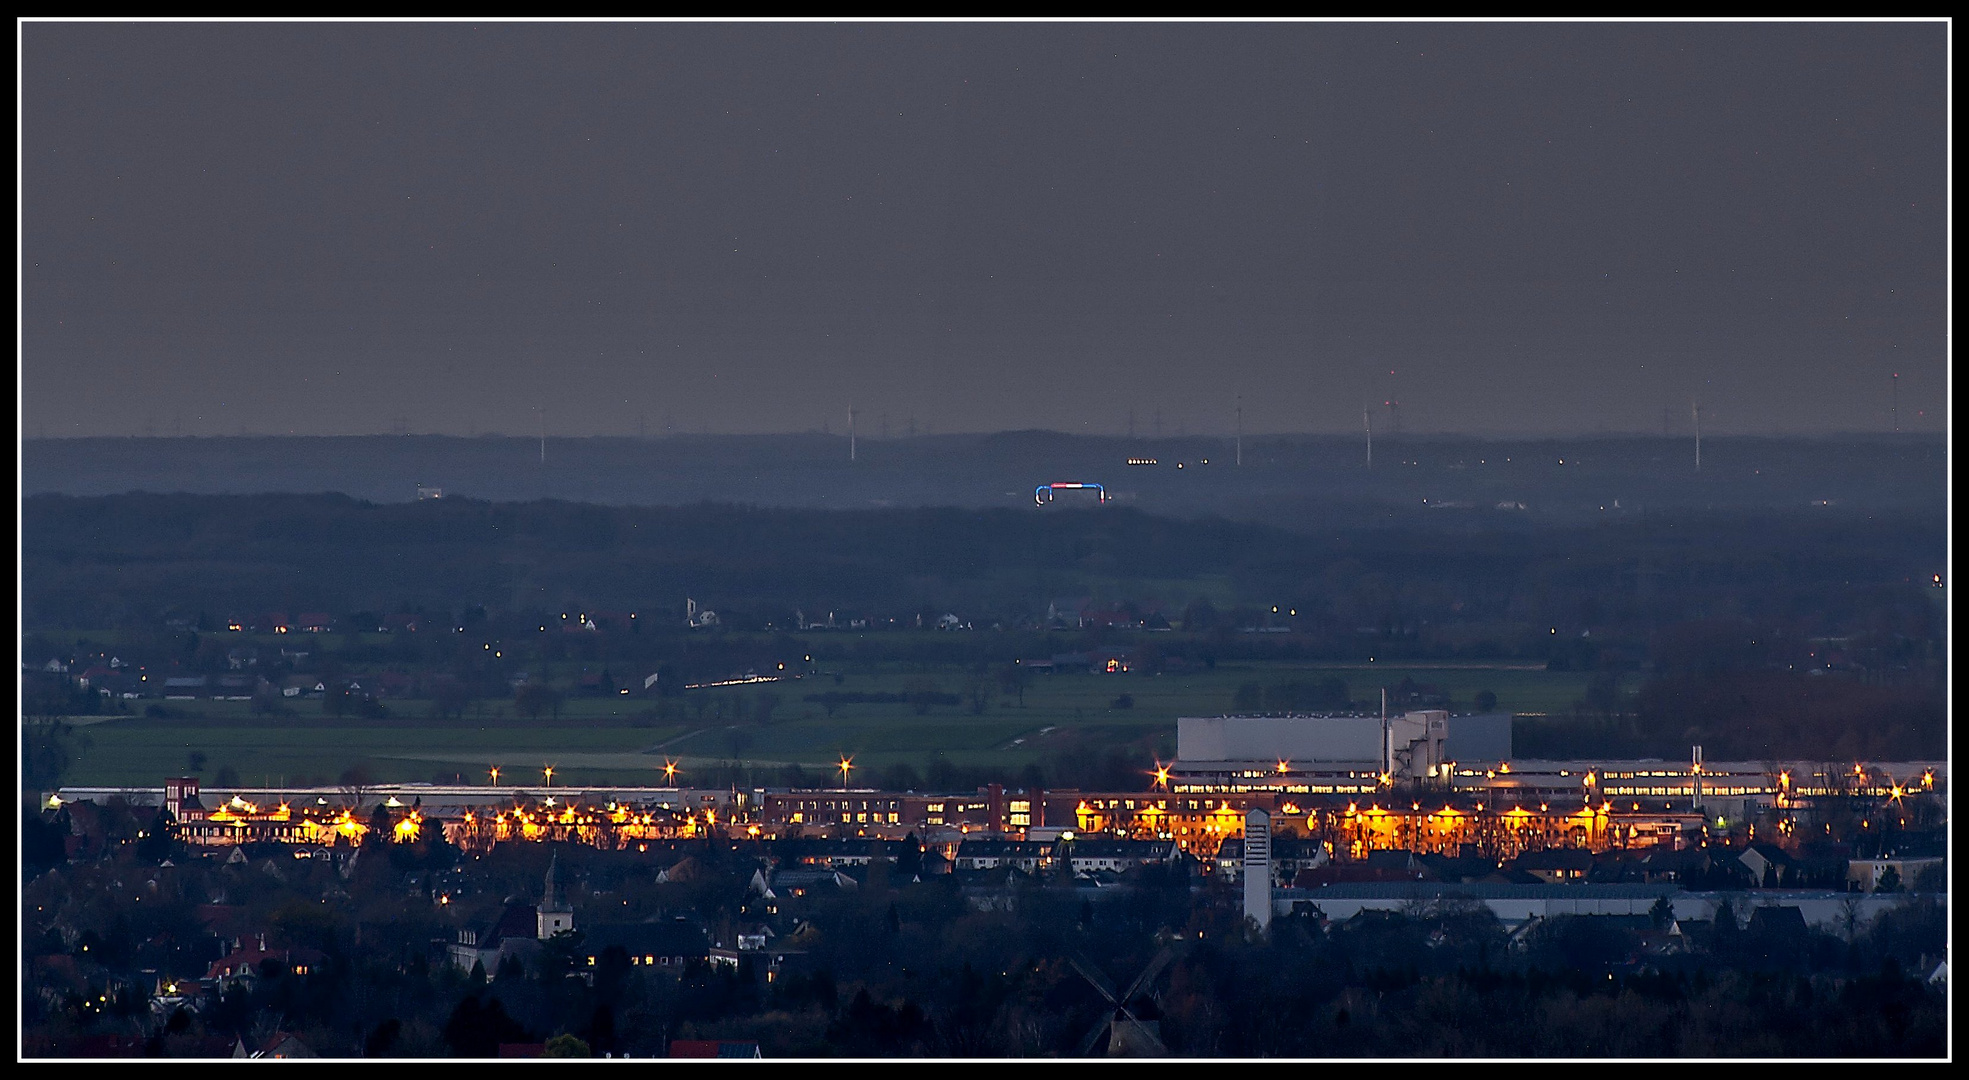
602, 740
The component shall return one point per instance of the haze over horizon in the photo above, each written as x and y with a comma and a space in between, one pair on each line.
601, 229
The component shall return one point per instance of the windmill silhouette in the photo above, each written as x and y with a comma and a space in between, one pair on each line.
1128, 1035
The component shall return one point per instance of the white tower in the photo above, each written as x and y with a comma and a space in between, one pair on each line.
1258, 867
554, 915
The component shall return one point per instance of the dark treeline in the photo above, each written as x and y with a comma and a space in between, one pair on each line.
136, 559
1292, 480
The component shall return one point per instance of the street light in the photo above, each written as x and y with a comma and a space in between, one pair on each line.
669, 771
846, 764
550, 775
495, 776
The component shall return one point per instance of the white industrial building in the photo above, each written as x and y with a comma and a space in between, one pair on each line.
1414, 746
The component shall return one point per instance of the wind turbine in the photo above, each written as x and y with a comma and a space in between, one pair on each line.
1240, 429
1695, 415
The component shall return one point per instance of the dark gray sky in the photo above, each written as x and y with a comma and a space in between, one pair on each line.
353, 228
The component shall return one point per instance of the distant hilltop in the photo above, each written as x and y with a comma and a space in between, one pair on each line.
1282, 478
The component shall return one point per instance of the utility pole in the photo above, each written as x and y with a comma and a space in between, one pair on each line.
1240, 429
1369, 427
1695, 414
851, 431
1897, 402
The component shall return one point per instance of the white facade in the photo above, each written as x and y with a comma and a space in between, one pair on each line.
1408, 746
1258, 867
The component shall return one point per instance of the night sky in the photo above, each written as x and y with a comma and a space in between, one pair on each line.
651, 228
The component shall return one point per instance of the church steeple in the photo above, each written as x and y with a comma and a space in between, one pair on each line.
554, 913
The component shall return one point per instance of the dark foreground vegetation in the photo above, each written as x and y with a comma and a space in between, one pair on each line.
950, 964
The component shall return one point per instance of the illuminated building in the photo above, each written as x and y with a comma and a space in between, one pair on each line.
1499, 808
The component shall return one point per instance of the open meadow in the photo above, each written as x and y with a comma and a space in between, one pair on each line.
629, 739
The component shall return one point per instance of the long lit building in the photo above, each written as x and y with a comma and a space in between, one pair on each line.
1415, 799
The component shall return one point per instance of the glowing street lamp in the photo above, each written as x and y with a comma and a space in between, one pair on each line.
846, 764
1284, 766
669, 771
495, 776
1161, 775
550, 775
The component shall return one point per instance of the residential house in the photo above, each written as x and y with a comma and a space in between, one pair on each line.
1686, 865
1088, 855
1768, 864
664, 946
790, 881
512, 935
248, 961
1555, 865
1865, 874
1031, 856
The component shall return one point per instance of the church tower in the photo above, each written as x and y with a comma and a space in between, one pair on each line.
554, 915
